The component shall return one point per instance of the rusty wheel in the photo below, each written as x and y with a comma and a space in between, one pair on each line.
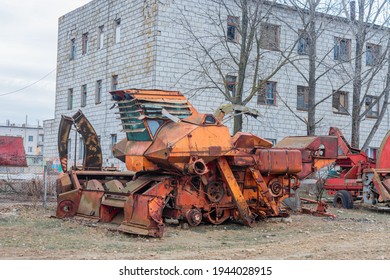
215, 191
275, 187
66, 209
217, 216
194, 217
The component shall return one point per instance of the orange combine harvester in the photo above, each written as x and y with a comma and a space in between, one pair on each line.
182, 165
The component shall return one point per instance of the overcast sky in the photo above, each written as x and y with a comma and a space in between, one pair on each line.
28, 51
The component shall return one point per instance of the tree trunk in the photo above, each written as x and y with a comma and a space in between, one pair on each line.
311, 114
357, 80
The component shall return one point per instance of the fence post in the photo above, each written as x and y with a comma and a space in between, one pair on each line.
45, 185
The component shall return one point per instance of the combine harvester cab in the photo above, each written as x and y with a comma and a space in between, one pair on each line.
181, 165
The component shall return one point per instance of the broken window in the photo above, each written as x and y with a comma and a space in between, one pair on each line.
342, 49
303, 42
114, 82
100, 43
340, 102
270, 36
98, 96
73, 49
302, 98
266, 93
369, 101
83, 95
373, 54
70, 99
117, 30
231, 84
85, 42
232, 28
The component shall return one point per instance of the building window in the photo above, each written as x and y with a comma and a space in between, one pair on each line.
373, 112
114, 82
29, 150
272, 140
231, 85
114, 139
70, 99
266, 93
98, 96
30, 138
100, 43
81, 148
232, 28
83, 95
303, 42
371, 152
302, 98
73, 49
85, 45
340, 102
69, 148
270, 36
117, 30
342, 49
373, 54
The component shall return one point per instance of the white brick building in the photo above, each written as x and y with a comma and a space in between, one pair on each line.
141, 44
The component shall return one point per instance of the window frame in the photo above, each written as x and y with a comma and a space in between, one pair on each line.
265, 42
114, 82
373, 54
336, 95
263, 91
303, 90
98, 92
70, 98
304, 41
231, 84
84, 95
233, 24
117, 31
100, 37
372, 113
337, 50
85, 43
72, 49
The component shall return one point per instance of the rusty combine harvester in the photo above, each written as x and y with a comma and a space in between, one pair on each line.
182, 165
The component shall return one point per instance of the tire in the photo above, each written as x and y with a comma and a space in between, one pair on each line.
343, 199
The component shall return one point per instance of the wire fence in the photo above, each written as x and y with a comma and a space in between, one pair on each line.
33, 185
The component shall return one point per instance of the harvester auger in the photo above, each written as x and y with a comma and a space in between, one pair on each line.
181, 164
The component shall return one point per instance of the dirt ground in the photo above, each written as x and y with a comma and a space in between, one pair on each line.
29, 232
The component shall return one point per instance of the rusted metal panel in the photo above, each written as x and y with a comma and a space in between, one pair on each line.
12, 152
279, 161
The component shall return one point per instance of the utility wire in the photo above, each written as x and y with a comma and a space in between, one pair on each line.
30, 85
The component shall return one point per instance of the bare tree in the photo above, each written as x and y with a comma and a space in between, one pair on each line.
368, 24
316, 16
239, 36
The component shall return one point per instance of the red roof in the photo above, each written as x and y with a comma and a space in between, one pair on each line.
12, 151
